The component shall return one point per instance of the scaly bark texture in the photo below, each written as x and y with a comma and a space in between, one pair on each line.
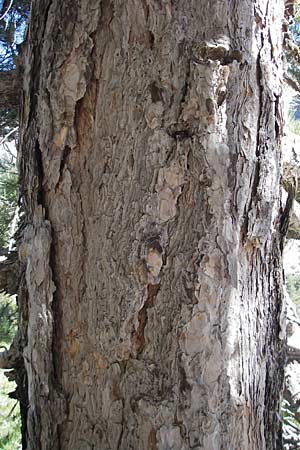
150, 167
10, 89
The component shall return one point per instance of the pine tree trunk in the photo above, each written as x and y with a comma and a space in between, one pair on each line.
150, 167
10, 89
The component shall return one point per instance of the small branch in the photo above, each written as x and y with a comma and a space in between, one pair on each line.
7, 136
291, 406
10, 89
292, 441
293, 426
294, 227
292, 83
293, 354
10, 359
295, 395
291, 185
6, 12
10, 274
12, 409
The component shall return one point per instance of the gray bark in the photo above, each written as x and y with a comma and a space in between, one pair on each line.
150, 168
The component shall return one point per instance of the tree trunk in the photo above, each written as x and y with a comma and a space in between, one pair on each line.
10, 89
150, 168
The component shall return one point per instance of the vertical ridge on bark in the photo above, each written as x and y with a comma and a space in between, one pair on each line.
150, 168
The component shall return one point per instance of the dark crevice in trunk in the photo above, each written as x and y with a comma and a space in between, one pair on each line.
40, 175
138, 335
63, 161
256, 176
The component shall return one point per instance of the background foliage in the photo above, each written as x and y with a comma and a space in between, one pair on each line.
13, 18
10, 422
293, 287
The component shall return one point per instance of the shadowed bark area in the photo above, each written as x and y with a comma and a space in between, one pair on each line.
10, 89
10, 274
150, 146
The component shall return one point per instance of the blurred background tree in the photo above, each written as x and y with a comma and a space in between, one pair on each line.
13, 18
291, 403
292, 50
10, 421
293, 287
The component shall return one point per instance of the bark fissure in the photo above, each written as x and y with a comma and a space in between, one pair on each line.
139, 337
255, 181
286, 215
63, 162
40, 176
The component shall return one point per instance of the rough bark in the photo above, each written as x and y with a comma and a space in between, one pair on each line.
10, 274
11, 358
150, 168
10, 89
294, 225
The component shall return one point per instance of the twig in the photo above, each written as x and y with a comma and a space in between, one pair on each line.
292, 83
10, 5
8, 134
292, 426
293, 354
12, 409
